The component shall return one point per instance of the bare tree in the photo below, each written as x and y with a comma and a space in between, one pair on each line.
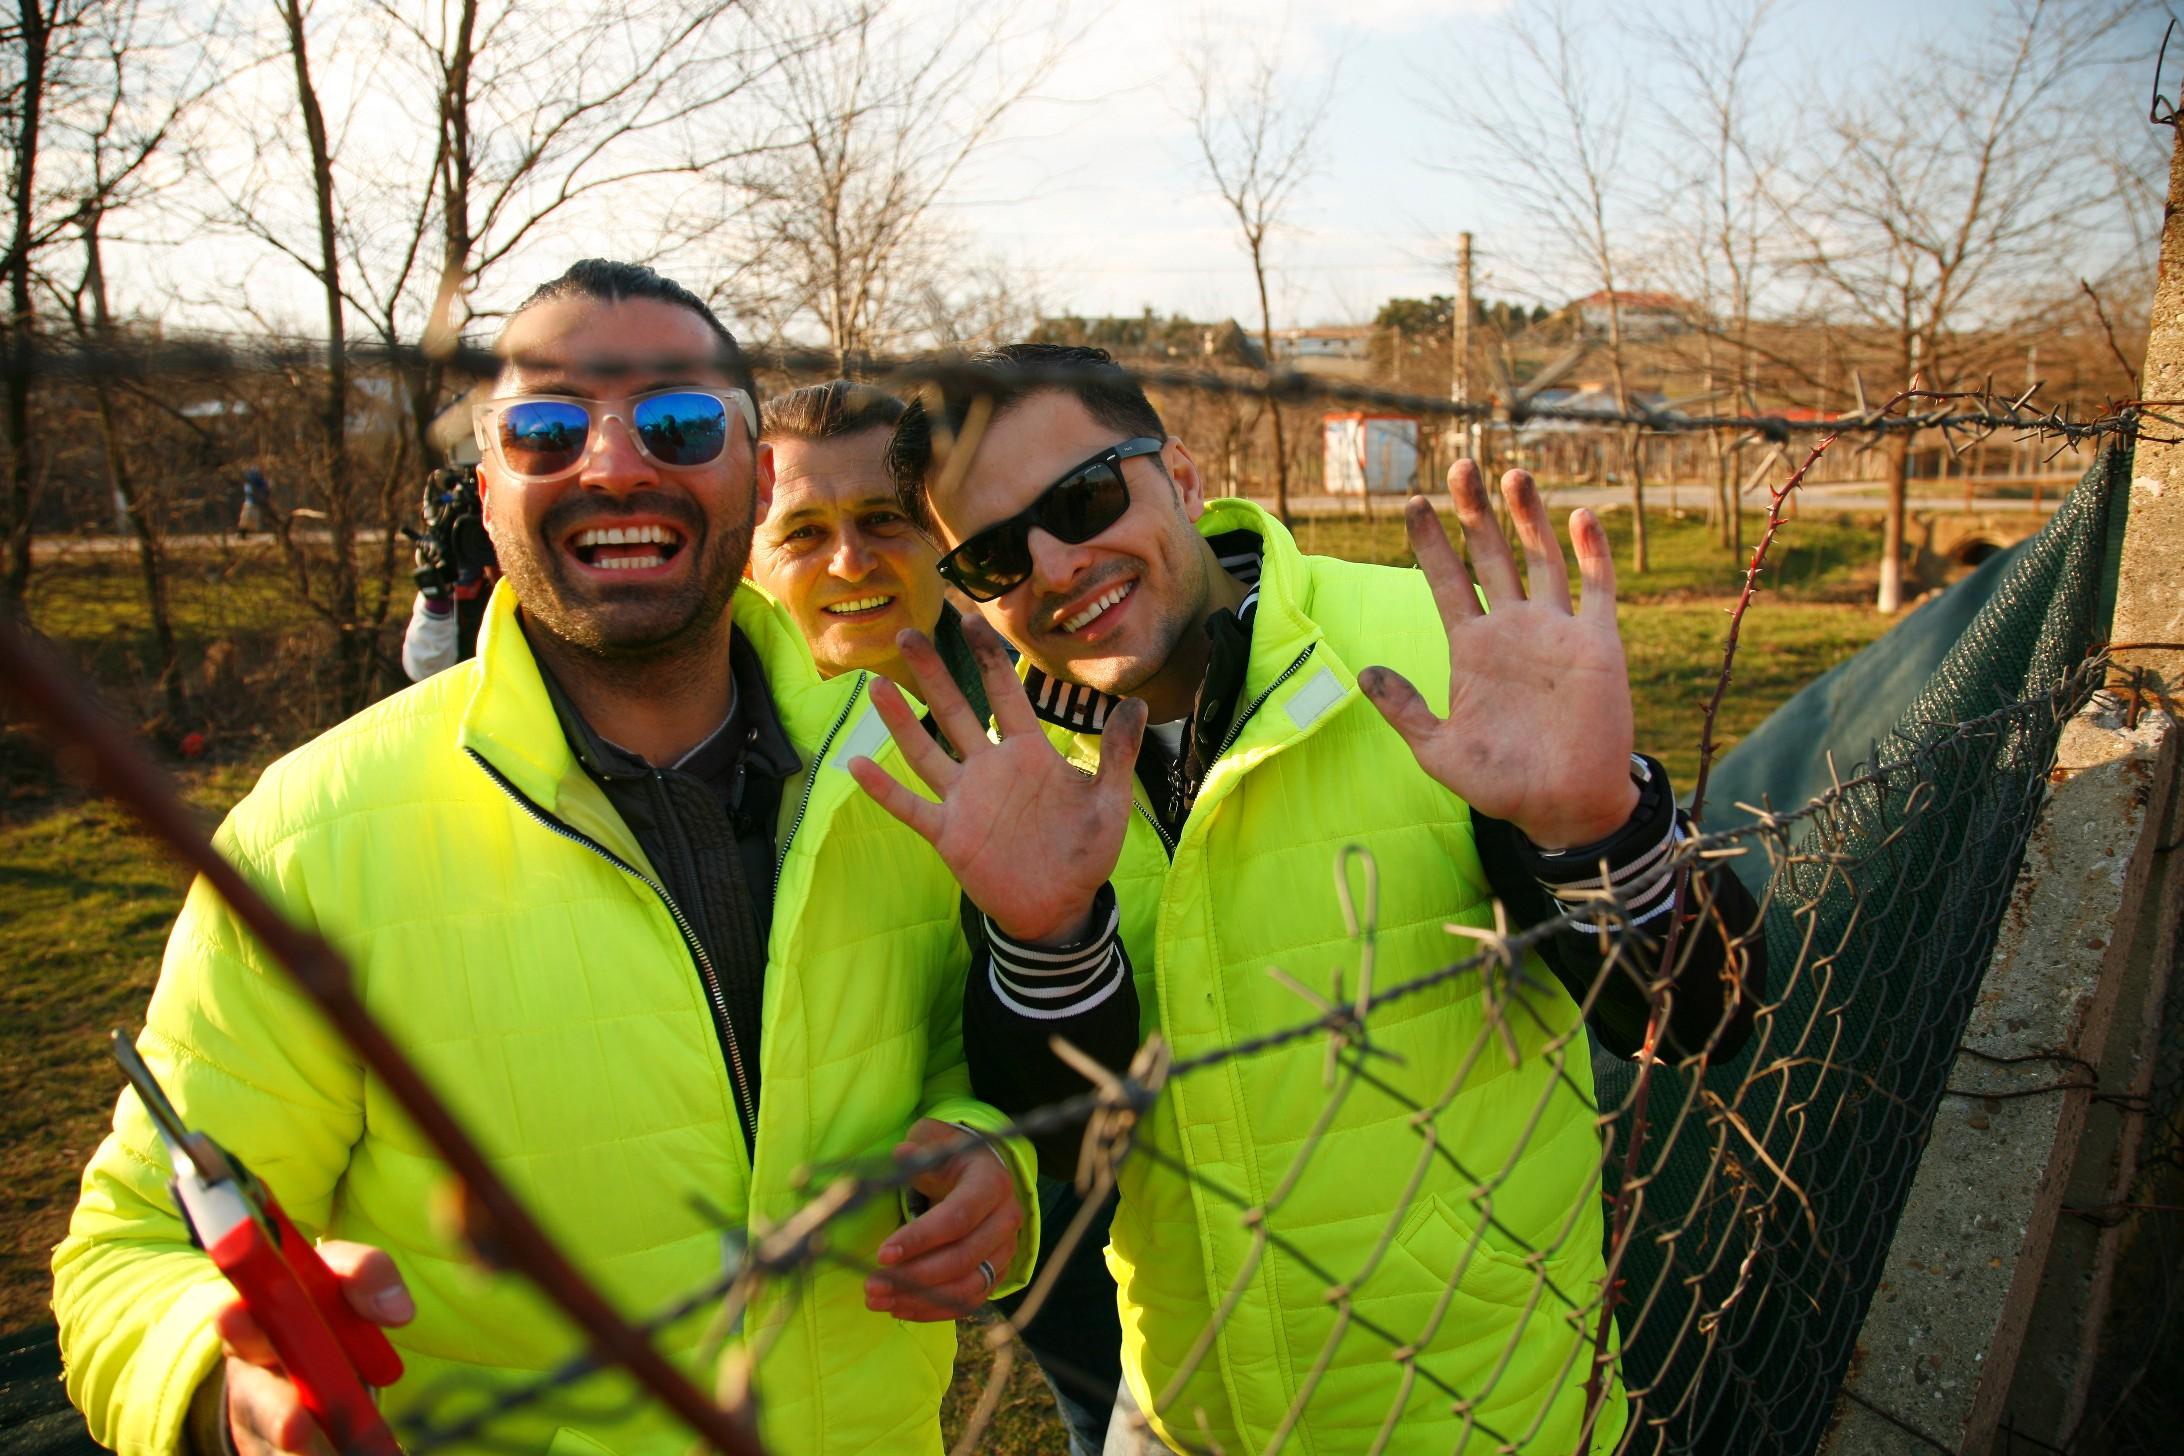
1258, 137
1726, 191
461, 146
110, 150
335, 465
1956, 183
91, 102
1549, 134
872, 125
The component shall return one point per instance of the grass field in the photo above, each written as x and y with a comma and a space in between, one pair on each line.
88, 904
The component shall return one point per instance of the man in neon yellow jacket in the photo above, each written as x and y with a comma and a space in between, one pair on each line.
1405, 1254
610, 885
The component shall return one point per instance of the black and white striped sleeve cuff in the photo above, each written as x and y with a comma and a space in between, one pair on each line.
1638, 859
1054, 983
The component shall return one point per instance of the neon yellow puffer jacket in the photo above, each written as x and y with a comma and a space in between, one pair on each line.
1434, 1281
437, 838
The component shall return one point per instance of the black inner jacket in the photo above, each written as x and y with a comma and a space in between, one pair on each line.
707, 826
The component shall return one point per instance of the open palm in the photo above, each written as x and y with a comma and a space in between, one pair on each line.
1029, 837
1539, 727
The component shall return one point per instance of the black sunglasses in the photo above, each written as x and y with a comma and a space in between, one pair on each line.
1084, 502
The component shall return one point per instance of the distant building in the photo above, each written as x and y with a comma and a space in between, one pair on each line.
1367, 454
1590, 399
450, 432
1645, 315
1325, 348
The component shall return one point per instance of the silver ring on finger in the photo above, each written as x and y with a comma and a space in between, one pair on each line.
985, 1267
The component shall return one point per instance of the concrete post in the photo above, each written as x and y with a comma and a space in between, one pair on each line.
1465, 435
2150, 615
2002, 1274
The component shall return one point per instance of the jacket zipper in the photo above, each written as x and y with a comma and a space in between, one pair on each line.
1236, 731
811, 780
746, 1113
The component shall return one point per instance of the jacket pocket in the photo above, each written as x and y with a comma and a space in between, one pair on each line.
1455, 1246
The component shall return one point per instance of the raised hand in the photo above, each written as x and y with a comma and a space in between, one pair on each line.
1029, 837
1538, 730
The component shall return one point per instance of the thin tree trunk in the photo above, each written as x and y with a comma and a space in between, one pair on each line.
15, 507
1630, 432
1266, 341
1890, 597
1735, 502
355, 659
143, 521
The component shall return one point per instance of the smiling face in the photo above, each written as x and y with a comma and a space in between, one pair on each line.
838, 552
1110, 612
623, 557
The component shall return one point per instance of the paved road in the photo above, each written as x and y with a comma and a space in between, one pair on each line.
53, 548
1840, 498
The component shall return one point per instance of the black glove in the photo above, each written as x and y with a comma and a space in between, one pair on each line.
453, 547
434, 580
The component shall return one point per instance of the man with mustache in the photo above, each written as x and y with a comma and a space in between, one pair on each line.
610, 885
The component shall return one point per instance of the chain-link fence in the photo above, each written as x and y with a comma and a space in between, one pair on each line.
1745, 1208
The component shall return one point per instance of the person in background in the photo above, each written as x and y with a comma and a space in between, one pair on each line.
836, 548
455, 573
257, 496
838, 552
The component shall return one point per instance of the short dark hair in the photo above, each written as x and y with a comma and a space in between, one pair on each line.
830, 411
1008, 376
610, 281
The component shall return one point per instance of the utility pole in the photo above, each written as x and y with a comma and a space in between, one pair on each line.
1464, 435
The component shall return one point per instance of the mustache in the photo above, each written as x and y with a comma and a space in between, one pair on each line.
566, 514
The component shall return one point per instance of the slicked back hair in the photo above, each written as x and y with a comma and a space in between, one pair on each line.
830, 411
608, 281
1016, 372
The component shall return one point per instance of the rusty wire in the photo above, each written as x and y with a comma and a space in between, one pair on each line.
1964, 417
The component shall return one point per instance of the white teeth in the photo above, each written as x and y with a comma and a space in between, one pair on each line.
1099, 605
862, 604
630, 563
627, 536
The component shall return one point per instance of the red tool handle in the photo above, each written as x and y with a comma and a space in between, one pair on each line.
362, 1341
295, 1322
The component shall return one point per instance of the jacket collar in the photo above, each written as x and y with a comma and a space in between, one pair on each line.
511, 723
752, 726
1254, 548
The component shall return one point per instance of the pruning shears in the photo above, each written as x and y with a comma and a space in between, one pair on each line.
333, 1355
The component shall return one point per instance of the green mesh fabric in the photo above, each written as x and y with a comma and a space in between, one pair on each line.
1769, 1190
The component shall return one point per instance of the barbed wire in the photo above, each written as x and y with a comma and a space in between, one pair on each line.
1964, 417
1735, 1207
